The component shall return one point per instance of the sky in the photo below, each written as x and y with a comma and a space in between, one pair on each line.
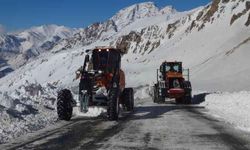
22, 14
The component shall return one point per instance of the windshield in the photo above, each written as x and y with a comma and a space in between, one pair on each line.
174, 67
105, 60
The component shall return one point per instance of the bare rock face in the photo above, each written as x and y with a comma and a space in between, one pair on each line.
213, 8
248, 21
125, 41
247, 5
143, 41
171, 29
237, 16
225, 1
86, 36
207, 14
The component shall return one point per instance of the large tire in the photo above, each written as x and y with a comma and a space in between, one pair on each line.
128, 95
113, 105
155, 94
188, 92
157, 98
64, 105
162, 97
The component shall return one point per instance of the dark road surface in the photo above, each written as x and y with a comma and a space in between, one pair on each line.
150, 126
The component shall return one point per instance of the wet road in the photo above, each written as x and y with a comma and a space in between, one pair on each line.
150, 126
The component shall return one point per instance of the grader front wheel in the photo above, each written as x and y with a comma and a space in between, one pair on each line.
64, 105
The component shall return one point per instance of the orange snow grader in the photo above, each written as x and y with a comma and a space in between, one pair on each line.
172, 84
102, 83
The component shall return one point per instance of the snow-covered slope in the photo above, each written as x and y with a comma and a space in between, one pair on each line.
205, 39
37, 36
213, 41
18, 48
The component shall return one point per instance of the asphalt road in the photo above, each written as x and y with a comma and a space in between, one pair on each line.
150, 126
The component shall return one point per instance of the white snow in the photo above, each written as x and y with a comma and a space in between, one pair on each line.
230, 107
27, 113
36, 36
142, 93
92, 111
137, 12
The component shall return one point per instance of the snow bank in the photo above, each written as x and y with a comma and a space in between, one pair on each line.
29, 108
142, 92
231, 107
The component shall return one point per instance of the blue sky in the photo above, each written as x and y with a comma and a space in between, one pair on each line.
21, 14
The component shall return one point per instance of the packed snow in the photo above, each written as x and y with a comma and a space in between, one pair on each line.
230, 107
30, 108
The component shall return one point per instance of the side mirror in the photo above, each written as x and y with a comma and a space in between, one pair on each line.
87, 58
161, 69
87, 51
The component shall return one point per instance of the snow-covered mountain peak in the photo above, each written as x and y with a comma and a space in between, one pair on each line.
47, 31
44, 33
141, 8
168, 10
135, 12
31, 42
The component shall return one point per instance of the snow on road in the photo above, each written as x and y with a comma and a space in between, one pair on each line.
234, 108
150, 126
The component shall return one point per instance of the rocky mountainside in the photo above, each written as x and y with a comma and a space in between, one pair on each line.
143, 31
122, 30
105, 31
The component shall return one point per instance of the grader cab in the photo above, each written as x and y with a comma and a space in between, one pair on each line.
171, 83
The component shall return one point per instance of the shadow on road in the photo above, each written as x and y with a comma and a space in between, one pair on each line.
153, 112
